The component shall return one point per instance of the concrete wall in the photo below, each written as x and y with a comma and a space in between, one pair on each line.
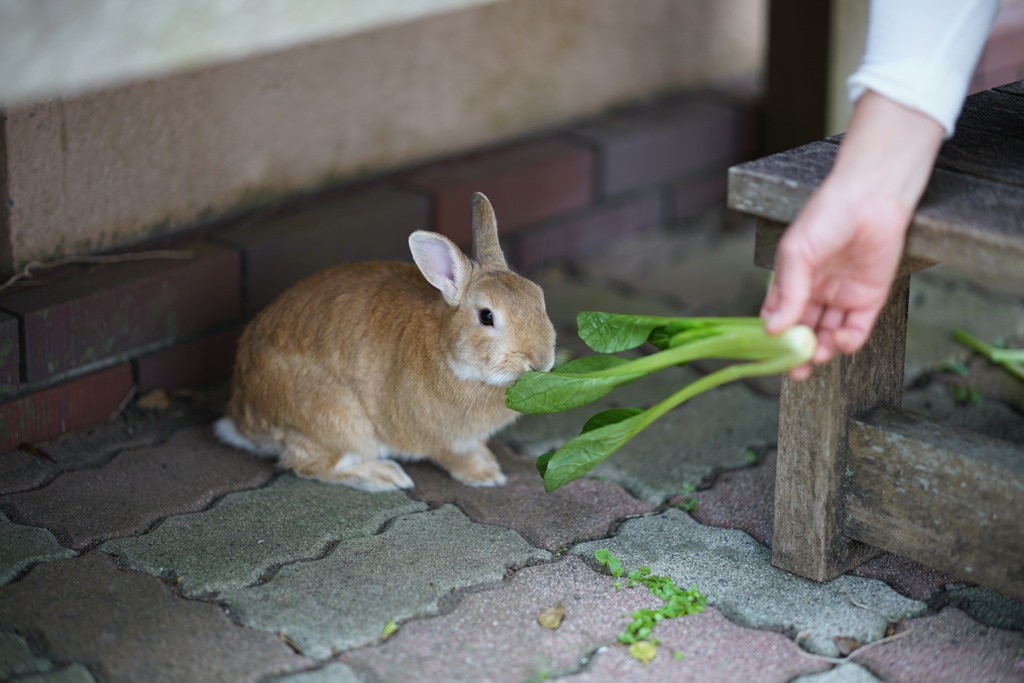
115, 166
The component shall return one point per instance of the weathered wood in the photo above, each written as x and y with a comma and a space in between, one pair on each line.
946, 497
962, 220
768, 234
814, 415
989, 139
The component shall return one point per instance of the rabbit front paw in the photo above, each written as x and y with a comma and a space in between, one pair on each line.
372, 475
479, 468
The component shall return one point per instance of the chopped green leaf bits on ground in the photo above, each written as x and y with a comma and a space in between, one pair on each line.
680, 341
678, 603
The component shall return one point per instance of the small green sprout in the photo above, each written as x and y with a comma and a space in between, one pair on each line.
678, 656
1011, 360
608, 561
687, 503
680, 340
751, 455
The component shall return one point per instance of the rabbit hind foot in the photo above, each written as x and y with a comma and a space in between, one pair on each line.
374, 475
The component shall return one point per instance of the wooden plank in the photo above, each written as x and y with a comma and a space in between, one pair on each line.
943, 496
813, 420
989, 139
965, 221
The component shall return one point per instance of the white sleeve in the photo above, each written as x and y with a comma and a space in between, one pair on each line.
922, 53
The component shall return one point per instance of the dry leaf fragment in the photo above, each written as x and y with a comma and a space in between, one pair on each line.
29, 449
847, 645
551, 617
156, 400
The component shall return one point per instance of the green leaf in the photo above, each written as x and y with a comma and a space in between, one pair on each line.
567, 387
613, 332
602, 555
582, 454
608, 417
614, 566
542, 463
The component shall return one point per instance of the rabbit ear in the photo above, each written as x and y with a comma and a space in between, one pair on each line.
442, 263
486, 248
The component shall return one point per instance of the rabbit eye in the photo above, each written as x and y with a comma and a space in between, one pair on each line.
486, 317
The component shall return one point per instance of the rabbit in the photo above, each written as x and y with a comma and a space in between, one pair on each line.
365, 363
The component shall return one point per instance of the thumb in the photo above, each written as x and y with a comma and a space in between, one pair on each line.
787, 298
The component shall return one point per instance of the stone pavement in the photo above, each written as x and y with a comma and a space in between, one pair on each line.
143, 550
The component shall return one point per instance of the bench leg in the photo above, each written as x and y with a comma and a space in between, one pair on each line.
813, 423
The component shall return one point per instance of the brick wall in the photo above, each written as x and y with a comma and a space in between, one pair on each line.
78, 341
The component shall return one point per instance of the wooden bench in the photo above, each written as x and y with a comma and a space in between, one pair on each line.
857, 474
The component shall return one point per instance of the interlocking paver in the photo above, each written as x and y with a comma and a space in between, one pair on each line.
135, 489
499, 638
131, 627
247, 533
17, 658
584, 510
332, 672
735, 571
711, 649
89, 447
21, 546
345, 599
494, 635
987, 606
844, 673
74, 673
949, 647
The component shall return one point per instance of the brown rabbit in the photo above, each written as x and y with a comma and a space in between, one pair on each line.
369, 361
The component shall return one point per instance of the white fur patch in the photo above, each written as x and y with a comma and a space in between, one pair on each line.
225, 430
347, 462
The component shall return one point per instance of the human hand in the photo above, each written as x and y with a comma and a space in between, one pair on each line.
836, 263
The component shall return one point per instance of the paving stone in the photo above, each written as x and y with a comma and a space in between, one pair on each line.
332, 672
89, 315
135, 489
75, 673
17, 658
51, 412
252, 531
131, 627
735, 572
938, 306
345, 599
990, 607
584, 510
21, 546
10, 355
566, 297
844, 673
948, 647
94, 445
712, 649
493, 635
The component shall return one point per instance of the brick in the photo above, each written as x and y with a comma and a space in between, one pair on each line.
526, 183
692, 197
10, 356
193, 364
365, 226
67, 406
137, 488
579, 234
654, 146
93, 315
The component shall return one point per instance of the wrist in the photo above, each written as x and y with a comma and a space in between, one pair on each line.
887, 154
